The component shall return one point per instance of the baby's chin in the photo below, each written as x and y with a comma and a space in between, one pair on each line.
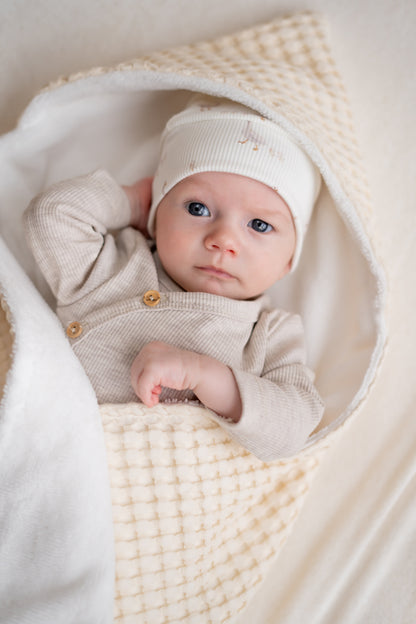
231, 289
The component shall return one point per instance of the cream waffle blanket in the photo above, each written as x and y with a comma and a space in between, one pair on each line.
160, 501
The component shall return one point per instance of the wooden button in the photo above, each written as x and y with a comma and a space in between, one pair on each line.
74, 329
151, 298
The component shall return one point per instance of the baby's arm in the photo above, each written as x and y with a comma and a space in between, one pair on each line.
68, 228
281, 407
271, 414
159, 364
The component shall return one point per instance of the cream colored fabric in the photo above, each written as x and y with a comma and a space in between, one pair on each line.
339, 286
197, 519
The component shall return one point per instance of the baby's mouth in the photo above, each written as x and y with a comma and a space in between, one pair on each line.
216, 272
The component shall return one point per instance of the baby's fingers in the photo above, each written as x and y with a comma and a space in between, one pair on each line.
154, 396
146, 387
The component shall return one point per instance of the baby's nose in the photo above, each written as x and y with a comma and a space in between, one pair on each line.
222, 239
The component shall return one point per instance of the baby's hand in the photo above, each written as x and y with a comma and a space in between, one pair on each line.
159, 364
139, 195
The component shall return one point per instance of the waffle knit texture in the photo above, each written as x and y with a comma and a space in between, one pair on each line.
197, 519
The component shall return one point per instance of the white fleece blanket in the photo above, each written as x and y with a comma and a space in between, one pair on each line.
56, 515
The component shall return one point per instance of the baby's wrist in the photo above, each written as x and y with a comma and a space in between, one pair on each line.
217, 388
197, 370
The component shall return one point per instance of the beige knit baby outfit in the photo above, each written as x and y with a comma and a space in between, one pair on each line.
113, 297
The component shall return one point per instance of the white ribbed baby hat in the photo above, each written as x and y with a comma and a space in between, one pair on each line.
212, 134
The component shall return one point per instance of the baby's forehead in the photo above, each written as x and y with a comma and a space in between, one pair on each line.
223, 181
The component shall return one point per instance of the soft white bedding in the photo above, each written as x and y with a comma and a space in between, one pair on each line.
352, 555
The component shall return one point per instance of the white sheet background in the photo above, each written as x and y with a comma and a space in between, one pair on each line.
352, 556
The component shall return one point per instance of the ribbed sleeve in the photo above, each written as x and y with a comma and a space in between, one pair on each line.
67, 229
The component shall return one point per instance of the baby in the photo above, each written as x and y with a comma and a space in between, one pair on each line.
186, 318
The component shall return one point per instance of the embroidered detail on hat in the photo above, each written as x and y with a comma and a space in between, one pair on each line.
251, 136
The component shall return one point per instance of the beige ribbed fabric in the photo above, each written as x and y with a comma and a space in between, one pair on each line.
100, 282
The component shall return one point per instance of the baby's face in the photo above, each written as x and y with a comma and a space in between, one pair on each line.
224, 234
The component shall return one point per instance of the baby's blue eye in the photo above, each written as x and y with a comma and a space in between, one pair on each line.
196, 209
260, 226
